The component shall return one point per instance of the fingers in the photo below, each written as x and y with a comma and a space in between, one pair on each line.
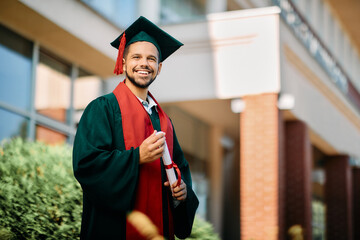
179, 192
156, 142
158, 150
175, 184
156, 136
159, 143
180, 195
152, 147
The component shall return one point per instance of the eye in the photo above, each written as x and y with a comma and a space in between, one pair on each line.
136, 57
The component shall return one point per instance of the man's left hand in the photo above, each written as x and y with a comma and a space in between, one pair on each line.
178, 192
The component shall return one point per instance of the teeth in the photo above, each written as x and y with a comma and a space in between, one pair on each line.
142, 72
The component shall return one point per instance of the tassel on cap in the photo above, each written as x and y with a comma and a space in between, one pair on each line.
119, 61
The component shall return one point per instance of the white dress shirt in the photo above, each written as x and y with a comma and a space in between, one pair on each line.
148, 105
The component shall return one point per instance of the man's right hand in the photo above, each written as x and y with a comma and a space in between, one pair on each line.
152, 147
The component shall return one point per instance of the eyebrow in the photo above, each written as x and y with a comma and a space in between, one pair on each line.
151, 55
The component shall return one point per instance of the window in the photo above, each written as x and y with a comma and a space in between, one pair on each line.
49, 136
53, 87
327, 27
184, 10
318, 219
308, 9
339, 43
318, 195
15, 69
87, 87
320, 19
43, 105
15, 80
120, 12
12, 125
300, 5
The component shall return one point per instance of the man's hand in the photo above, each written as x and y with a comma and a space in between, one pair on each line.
152, 148
180, 192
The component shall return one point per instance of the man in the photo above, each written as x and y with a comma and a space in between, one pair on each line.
119, 143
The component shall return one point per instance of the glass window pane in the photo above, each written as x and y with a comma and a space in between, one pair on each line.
176, 11
112, 9
318, 195
320, 20
12, 125
15, 69
87, 87
49, 136
318, 209
53, 85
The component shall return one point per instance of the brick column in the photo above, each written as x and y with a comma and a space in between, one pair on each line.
259, 168
338, 198
356, 203
298, 164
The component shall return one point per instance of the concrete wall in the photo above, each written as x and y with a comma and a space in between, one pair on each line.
219, 60
318, 102
80, 21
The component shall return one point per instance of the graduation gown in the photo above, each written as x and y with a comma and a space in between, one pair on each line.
108, 174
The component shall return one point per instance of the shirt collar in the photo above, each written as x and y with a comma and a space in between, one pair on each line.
148, 105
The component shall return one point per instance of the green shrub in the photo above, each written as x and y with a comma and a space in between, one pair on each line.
202, 230
39, 197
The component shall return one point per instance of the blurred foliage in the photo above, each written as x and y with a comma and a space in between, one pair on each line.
202, 230
41, 199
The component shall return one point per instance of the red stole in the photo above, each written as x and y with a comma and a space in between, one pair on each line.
137, 127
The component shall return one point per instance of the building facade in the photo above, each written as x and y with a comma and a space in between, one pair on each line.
264, 97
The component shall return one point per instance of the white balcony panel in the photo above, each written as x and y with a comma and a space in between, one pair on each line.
229, 55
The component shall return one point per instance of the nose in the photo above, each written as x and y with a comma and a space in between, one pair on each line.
144, 62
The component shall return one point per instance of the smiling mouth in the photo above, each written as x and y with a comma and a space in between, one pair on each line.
143, 72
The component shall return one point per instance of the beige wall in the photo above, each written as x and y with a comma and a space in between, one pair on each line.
318, 102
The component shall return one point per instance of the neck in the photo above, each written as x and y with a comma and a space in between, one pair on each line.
139, 92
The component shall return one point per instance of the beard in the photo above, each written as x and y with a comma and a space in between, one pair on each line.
146, 85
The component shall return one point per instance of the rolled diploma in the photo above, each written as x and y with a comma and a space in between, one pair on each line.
170, 173
167, 161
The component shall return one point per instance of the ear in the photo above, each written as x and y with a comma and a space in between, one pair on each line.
123, 64
159, 68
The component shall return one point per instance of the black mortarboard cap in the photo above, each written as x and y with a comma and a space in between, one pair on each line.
144, 30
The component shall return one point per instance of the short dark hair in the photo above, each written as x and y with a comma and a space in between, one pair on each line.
126, 51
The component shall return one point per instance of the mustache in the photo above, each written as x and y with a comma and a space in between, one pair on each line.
143, 68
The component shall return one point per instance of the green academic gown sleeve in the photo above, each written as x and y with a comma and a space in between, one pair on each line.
107, 173
184, 213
